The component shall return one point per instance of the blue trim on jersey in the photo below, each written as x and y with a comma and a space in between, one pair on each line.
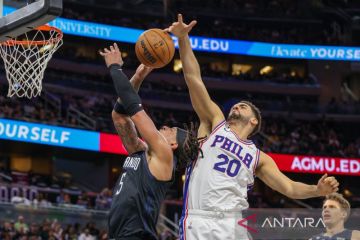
185, 196
186, 188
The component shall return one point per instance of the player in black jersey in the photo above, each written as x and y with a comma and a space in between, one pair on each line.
336, 210
148, 171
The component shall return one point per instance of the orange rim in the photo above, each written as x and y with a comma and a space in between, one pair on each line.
44, 28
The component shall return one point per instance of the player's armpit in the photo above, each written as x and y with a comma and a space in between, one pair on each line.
204, 130
127, 132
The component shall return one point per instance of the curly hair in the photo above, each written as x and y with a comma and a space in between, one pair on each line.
188, 151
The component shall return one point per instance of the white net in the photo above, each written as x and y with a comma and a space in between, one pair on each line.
26, 60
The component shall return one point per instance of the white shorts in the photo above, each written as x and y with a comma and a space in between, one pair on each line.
212, 225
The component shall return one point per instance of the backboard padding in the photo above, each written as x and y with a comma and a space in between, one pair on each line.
29, 17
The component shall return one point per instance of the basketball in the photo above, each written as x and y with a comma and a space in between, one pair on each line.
155, 48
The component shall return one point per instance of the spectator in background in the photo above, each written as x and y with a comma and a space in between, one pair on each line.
40, 201
70, 233
44, 229
61, 198
8, 231
34, 232
103, 235
82, 200
67, 199
20, 225
85, 235
103, 200
57, 230
21, 199
92, 229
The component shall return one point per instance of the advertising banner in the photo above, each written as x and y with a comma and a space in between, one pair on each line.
317, 164
217, 45
111, 143
48, 135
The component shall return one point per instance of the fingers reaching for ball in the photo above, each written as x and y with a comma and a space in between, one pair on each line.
112, 56
179, 28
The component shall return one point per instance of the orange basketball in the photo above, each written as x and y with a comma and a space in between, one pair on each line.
155, 48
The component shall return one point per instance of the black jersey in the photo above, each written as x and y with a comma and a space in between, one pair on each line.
344, 235
136, 202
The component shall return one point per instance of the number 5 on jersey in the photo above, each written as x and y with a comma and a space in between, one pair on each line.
121, 183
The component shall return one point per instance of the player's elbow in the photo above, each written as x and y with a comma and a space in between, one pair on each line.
290, 193
114, 115
117, 117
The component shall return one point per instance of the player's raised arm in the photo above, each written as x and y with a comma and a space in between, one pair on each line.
133, 107
270, 174
141, 73
208, 112
123, 124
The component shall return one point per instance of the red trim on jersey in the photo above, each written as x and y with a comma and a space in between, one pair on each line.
214, 130
217, 127
184, 225
247, 142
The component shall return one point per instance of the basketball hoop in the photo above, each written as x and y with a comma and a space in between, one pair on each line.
26, 58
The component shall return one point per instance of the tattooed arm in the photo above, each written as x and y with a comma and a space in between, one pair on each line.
123, 124
127, 132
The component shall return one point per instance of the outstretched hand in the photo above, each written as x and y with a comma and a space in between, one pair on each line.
179, 28
327, 185
142, 71
112, 56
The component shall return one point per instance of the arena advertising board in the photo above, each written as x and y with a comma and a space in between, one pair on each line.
217, 45
60, 136
317, 164
111, 143
48, 135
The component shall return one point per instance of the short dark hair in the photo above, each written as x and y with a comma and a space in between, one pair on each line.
257, 114
344, 204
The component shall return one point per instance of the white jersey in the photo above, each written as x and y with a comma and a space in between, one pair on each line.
220, 178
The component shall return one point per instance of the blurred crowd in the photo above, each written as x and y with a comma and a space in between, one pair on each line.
309, 138
22, 229
67, 199
281, 21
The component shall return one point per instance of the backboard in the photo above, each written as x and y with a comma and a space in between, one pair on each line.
27, 17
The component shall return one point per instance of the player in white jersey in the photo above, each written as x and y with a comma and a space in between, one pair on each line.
216, 184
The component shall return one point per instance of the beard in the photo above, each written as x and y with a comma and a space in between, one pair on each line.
237, 117
234, 116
